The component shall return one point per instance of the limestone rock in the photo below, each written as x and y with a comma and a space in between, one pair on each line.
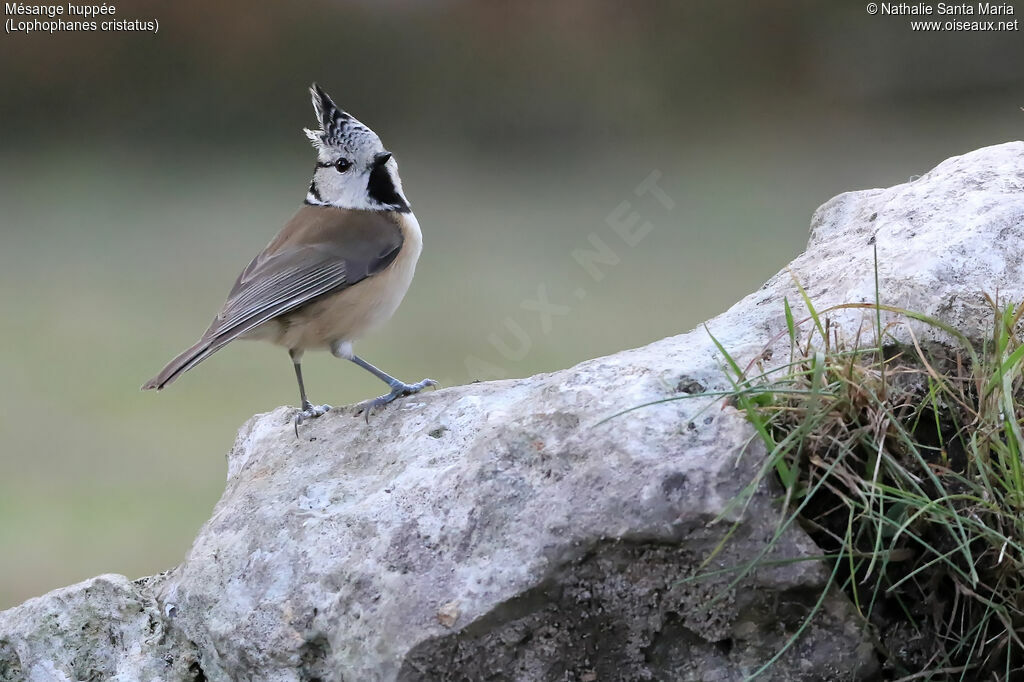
105, 628
519, 530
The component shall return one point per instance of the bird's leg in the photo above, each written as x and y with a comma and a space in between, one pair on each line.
308, 410
398, 388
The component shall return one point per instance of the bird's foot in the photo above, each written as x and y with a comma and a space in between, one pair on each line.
309, 411
399, 389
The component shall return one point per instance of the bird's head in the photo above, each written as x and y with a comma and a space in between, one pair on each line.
353, 170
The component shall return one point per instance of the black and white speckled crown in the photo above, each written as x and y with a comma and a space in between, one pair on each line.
337, 127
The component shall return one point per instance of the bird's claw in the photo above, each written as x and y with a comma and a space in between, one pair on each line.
398, 390
309, 411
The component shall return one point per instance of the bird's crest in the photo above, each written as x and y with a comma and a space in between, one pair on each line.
338, 128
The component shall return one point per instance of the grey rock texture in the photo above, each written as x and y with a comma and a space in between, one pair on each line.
105, 628
944, 240
507, 531
522, 540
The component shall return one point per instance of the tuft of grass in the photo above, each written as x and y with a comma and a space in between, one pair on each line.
903, 462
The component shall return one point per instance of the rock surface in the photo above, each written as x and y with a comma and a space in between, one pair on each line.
105, 628
506, 531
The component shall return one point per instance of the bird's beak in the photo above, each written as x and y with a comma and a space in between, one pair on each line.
381, 159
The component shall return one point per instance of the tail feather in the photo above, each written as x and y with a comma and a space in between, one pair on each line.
203, 349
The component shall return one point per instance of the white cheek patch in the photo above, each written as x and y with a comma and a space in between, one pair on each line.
344, 190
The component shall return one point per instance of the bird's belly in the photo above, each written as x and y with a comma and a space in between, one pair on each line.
356, 310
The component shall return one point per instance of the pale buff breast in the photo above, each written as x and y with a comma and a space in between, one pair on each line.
351, 313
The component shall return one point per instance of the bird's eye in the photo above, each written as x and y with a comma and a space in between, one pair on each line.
342, 165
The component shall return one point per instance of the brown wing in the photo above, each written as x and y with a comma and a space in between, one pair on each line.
322, 250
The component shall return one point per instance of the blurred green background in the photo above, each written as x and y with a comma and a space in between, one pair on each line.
140, 172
